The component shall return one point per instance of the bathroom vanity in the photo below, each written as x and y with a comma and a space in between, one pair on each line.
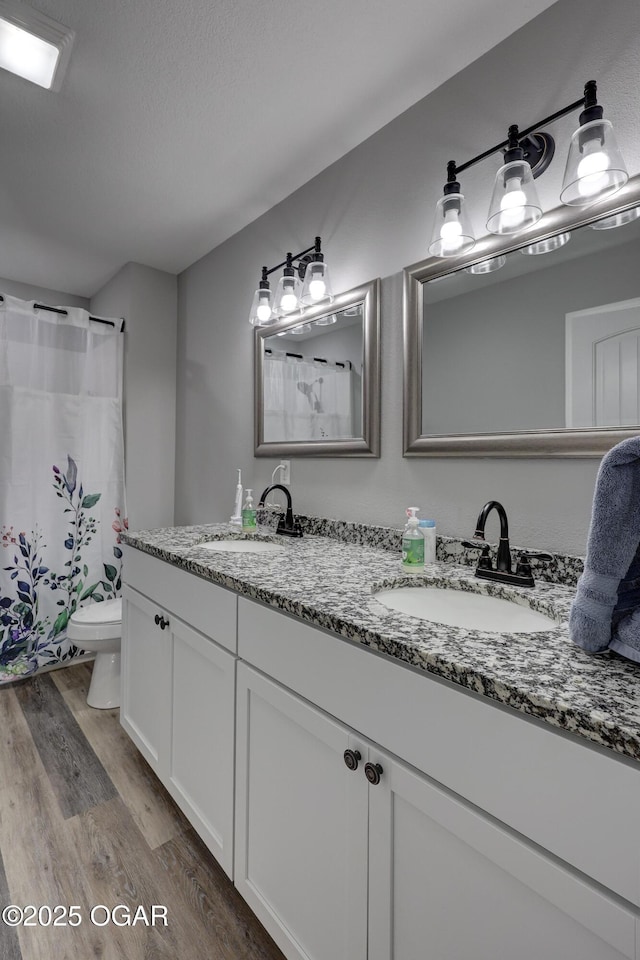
379, 786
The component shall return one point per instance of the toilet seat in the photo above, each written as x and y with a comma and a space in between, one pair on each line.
97, 621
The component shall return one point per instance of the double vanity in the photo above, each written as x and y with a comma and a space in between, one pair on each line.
378, 779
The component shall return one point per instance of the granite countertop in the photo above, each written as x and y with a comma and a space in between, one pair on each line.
330, 584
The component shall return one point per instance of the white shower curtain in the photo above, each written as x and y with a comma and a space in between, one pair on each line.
307, 400
61, 477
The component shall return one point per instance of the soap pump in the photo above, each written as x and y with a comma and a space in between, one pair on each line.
236, 519
412, 544
249, 514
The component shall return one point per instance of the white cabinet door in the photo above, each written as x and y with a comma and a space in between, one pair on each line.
301, 824
449, 883
202, 754
146, 678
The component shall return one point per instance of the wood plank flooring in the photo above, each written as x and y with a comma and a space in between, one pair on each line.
84, 821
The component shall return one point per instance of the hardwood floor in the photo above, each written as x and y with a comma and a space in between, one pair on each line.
84, 821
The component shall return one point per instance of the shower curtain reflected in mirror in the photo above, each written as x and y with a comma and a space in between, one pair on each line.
305, 399
61, 477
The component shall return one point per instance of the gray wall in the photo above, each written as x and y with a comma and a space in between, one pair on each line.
494, 360
146, 298
53, 298
374, 210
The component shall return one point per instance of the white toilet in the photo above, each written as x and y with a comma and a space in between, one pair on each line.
98, 628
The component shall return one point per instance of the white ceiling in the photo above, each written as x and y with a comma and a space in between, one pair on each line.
180, 121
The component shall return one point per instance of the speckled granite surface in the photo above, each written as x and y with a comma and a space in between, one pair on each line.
330, 584
562, 569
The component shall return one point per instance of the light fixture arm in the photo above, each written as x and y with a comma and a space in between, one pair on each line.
588, 102
304, 257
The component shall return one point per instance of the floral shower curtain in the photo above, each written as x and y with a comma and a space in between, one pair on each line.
61, 477
306, 399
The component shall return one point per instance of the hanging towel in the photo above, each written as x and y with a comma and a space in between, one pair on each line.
606, 611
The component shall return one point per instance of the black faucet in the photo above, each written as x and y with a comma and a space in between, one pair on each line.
502, 572
287, 527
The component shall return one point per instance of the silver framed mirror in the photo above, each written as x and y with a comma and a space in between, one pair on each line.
539, 358
317, 380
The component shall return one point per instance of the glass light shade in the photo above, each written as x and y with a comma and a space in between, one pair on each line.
617, 220
595, 168
317, 284
487, 266
326, 321
452, 232
261, 312
301, 328
548, 245
287, 297
514, 203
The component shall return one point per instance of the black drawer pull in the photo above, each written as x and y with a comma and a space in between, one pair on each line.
352, 758
373, 772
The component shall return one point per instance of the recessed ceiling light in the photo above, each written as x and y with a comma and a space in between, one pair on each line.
32, 45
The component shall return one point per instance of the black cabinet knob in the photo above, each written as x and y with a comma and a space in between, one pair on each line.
160, 621
352, 758
156, 619
373, 772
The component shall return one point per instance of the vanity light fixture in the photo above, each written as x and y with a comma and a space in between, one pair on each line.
514, 203
326, 321
617, 220
548, 245
288, 291
292, 294
452, 231
594, 170
487, 266
32, 45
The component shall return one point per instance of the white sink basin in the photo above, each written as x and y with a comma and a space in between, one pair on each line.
240, 546
458, 608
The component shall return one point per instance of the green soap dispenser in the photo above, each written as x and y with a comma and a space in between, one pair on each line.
412, 544
249, 515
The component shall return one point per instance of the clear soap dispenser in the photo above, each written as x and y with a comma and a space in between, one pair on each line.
412, 544
249, 515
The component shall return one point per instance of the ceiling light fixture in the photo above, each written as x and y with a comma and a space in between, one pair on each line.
292, 294
594, 170
32, 45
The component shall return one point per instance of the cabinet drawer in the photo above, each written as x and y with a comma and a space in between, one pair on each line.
205, 606
573, 799
432, 857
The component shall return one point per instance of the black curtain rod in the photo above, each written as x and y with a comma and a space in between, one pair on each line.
300, 356
65, 313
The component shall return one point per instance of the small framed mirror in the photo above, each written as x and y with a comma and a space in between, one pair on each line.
317, 380
530, 345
